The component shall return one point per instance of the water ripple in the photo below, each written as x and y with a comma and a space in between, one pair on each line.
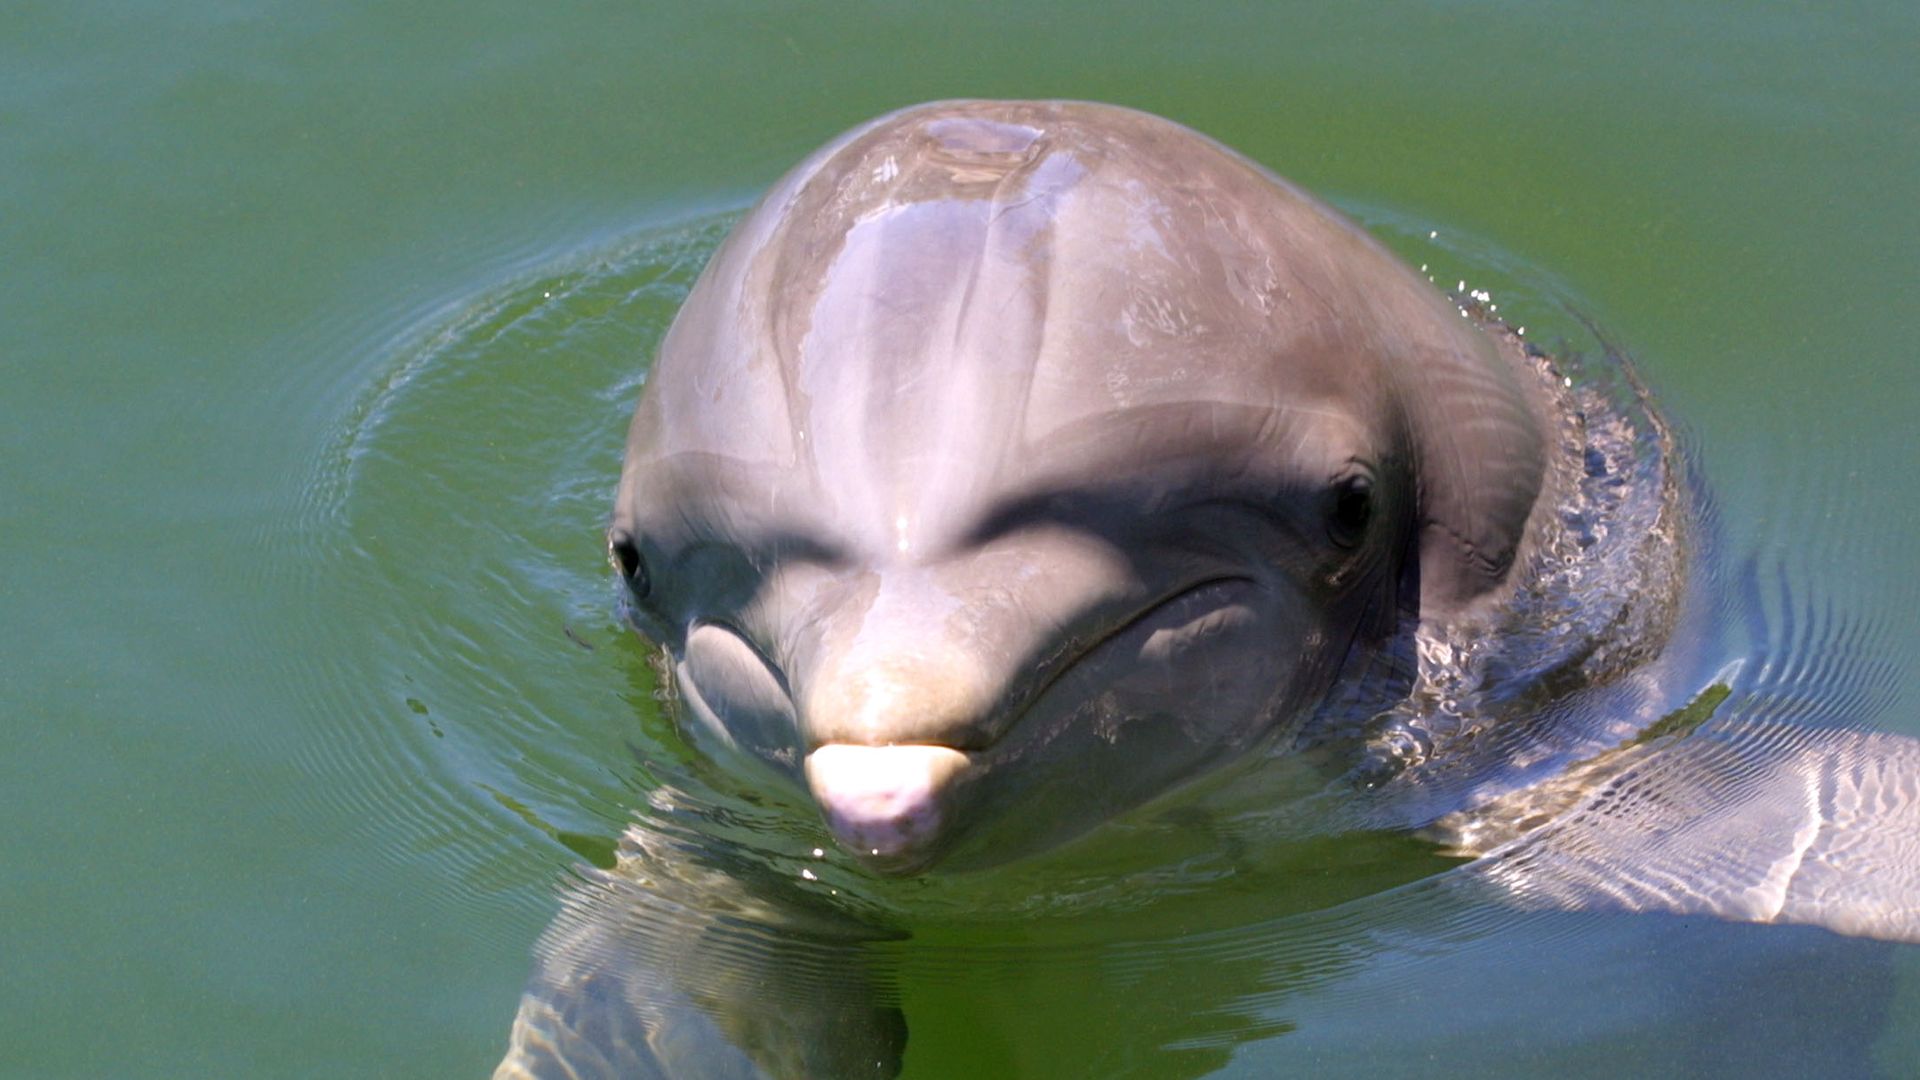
458, 630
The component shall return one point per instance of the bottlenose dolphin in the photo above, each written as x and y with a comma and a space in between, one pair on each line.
1013, 465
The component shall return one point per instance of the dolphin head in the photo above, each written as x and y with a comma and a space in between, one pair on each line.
1012, 464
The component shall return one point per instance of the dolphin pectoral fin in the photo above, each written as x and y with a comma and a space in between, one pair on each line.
663, 967
1765, 823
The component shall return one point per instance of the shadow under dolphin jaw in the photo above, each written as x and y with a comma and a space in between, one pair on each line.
888, 805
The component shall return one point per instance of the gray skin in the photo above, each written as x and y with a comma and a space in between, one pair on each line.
1016, 464
995, 469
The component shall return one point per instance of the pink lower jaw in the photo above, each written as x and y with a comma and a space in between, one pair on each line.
884, 803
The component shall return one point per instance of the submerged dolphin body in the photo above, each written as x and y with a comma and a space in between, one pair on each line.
1013, 465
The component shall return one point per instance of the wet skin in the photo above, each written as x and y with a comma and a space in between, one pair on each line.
1030, 460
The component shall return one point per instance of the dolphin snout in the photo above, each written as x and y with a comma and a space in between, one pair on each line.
886, 804
904, 699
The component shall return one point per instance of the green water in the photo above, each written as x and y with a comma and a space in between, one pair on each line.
319, 326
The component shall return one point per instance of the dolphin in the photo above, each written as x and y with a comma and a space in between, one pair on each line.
1015, 465
1012, 464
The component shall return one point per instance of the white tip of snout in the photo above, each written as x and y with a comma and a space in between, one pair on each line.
883, 802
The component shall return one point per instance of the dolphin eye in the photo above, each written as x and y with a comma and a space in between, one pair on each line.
1351, 511
624, 554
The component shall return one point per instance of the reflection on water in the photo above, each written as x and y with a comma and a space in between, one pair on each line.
701, 905
454, 514
1434, 968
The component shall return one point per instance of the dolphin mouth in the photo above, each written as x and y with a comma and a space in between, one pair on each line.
897, 806
1064, 661
888, 805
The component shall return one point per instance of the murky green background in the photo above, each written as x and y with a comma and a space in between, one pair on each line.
318, 328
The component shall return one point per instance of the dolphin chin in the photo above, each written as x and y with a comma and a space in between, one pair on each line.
888, 805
